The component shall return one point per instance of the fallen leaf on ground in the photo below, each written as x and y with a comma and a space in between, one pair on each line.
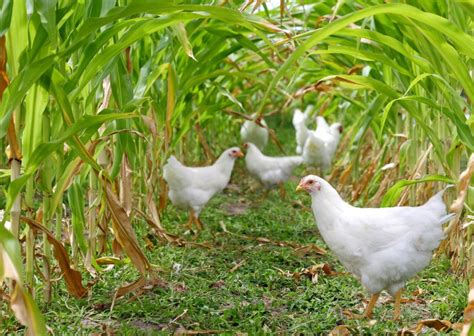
218, 284
438, 325
311, 272
237, 266
340, 330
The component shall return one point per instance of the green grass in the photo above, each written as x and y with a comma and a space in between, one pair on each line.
256, 297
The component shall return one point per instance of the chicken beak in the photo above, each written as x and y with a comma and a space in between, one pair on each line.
299, 188
239, 154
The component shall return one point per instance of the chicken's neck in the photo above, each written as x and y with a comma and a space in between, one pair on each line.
254, 153
225, 163
326, 207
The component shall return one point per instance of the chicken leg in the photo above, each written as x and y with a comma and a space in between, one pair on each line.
370, 306
396, 310
189, 223
282, 191
199, 224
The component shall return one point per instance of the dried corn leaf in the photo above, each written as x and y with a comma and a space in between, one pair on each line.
21, 302
122, 291
469, 310
424, 325
124, 232
72, 277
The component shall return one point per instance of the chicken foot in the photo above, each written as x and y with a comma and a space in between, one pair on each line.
193, 220
397, 310
282, 191
371, 305
190, 222
199, 223
373, 300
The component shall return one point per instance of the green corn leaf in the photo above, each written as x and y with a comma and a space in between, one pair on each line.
393, 194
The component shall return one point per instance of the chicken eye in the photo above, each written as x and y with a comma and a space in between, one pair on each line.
311, 182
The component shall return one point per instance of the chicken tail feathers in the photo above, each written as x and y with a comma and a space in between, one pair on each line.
436, 203
172, 170
298, 118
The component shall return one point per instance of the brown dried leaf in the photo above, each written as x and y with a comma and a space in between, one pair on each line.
345, 174
311, 272
237, 266
469, 310
311, 248
340, 330
163, 198
116, 248
439, 325
108, 261
72, 277
355, 69
205, 145
19, 306
327, 270
124, 233
463, 184
218, 284
122, 291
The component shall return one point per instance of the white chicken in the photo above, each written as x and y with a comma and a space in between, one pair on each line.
321, 144
383, 247
270, 171
252, 132
192, 187
299, 123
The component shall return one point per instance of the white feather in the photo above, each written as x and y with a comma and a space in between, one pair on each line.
270, 170
193, 187
321, 144
252, 132
299, 123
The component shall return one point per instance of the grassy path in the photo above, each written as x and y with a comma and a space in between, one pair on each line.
243, 285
